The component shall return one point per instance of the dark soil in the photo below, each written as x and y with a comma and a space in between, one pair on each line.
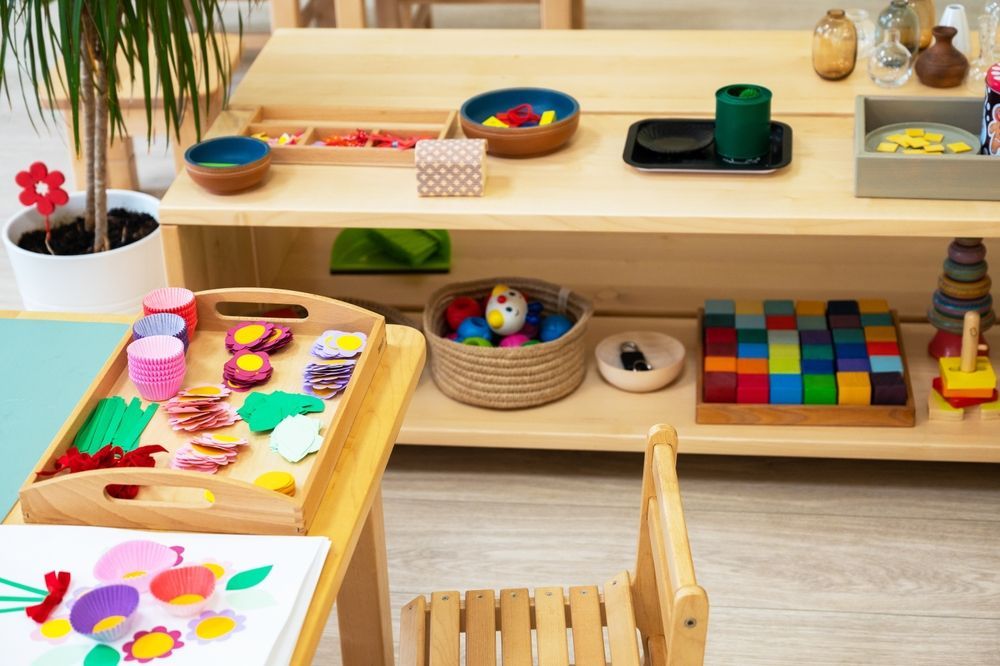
124, 227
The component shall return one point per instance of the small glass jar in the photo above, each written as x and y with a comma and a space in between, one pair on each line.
900, 16
928, 19
975, 79
864, 27
835, 46
891, 63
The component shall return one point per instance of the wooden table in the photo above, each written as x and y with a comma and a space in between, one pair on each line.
355, 574
647, 248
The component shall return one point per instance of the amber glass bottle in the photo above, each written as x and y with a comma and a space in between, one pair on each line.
835, 46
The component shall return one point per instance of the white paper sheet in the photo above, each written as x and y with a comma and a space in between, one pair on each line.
265, 618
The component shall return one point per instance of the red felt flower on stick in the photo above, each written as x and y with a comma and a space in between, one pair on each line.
42, 189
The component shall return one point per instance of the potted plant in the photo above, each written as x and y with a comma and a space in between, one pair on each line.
102, 251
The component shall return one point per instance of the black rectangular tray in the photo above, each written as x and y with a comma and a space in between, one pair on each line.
706, 160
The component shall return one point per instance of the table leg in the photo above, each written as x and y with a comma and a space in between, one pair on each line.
579, 15
557, 14
350, 13
285, 14
387, 13
363, 610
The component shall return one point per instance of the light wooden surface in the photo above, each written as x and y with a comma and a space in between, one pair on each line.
553, 14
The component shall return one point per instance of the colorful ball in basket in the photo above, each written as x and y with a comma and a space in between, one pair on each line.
175, 300
506, 310
156, 366
134, 563
184, 591
105, 613
161, 323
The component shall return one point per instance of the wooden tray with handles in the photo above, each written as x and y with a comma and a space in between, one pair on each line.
177, 499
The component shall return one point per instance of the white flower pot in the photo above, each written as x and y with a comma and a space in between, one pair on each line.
113, 281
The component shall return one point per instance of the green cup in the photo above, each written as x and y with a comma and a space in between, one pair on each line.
742, 122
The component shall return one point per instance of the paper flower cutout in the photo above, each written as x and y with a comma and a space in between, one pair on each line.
222, 569
42, 188
212, 626
54, 631
157, 643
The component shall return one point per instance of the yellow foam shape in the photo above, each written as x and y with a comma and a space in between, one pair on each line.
959, 147
901, 139
853, 388
934, 148
914, 151
919, 142
952, 377
933, 137
886, 147
990, 411
548, 117
493, 121
914, 131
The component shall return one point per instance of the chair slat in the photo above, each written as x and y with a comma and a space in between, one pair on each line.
445, 641
515, 627
480, 628
588, 629
621, 621
550, 627
413, 633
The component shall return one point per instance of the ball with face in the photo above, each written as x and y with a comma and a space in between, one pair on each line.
506, 310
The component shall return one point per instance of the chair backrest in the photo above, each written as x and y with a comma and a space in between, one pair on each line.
671, 608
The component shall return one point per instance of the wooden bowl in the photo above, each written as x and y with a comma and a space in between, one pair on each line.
228, 164
521, 141
663, 352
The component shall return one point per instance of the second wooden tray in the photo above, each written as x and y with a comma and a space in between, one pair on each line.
171, 499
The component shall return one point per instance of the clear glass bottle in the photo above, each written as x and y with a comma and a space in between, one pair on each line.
928, 19
864, 28
891, 63
835, 46
900, 16
975, 80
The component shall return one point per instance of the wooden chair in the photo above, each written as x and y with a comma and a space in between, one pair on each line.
554, 14
657, 616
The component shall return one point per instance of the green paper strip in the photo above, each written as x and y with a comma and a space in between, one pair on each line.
26, 588
117, 418
83, 435
28, 599
12, 610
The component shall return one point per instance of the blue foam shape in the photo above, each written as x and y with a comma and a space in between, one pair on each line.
782, 337
52, 376
816, 366
751, 321
477, 109
851, 351
779, 307
786, 389
720, 306
886, 363
751, 350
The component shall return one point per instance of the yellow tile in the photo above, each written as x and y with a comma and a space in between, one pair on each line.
983, 377
749, 307
901, 139
547, 117
933, 137
934, 148
886, 147
493, 121
959, 147
810, 308
880, 333
914, 131
919, 142
853, 388
915, 151
872, 305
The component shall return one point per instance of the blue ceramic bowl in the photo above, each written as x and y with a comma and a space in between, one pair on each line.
228, 164
521, 141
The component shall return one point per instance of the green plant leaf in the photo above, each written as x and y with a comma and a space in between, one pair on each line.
249, 578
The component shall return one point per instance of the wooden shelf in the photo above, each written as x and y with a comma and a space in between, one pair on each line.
599, 417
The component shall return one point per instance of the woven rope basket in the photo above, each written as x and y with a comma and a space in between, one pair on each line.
509, 377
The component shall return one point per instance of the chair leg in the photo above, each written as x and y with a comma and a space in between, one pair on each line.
557, 14
387, 13
284, 14
579, 15
350, 13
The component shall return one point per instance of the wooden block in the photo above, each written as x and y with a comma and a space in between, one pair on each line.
749, 307
844, 321
938, 409
451, 167
853, 365
781, 322
883, 348
720, 321
779, 307
811, 322
851, 351
755, 335
752, 350
815, 337
784, 366
877, 319
983, 377
842, 308
811, 308
990, 411
752, 321
817, 352
720, 349
720, 364
719, 387
886, 363
786, 389
783, 350
848, 335
751, 366
853, 388
975, 394
752, 389
815, 366
880, 333
783, 337
720, 306
888, 388
720, 335
819, 389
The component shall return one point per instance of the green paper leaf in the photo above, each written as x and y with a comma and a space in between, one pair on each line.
249, 578
102, 655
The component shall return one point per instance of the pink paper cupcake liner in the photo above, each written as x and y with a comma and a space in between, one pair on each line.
156, 350
157, 391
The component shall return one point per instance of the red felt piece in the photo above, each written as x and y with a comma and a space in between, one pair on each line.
781, 322
109, 456
720, 335
961, 403
519, 115
57, 583
752, 389
719, 387
883, 349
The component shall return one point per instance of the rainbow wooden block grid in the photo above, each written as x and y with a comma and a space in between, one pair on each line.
833, 362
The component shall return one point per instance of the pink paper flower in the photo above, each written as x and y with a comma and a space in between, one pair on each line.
157, 643
42, 188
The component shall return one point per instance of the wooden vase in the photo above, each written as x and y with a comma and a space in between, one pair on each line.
942, 65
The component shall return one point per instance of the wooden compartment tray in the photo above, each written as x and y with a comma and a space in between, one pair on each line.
728, 413
177, 499
315, 123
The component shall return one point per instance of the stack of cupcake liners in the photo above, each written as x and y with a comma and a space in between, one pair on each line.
156, 366
173, 300
161, 323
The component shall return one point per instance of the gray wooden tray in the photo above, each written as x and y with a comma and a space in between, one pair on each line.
895, 175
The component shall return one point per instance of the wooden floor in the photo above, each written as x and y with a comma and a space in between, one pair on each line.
805, 561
